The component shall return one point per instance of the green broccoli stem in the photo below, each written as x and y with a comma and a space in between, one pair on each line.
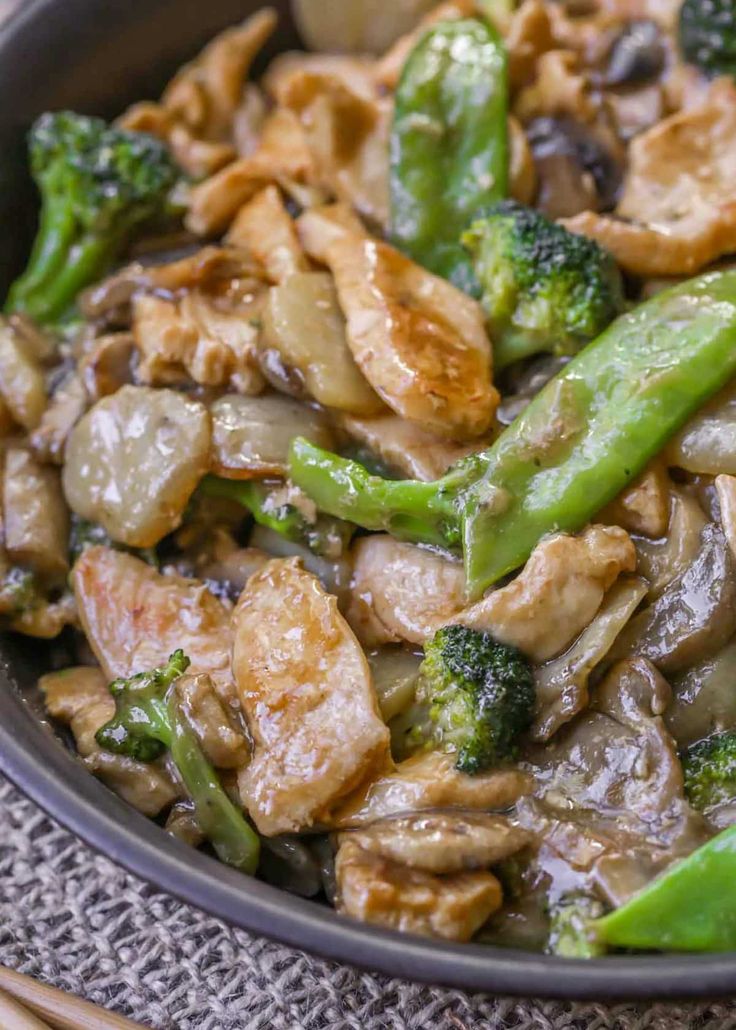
408, 509
53, 296
253, 495
582, 439
509, 347
234, 841
56, 232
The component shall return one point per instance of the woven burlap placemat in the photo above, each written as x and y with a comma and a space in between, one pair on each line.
74, 920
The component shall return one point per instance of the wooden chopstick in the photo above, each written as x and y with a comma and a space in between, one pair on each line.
54, 1009
13, 1016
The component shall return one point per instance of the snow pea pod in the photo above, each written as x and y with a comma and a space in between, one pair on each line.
587, 434
449, 147
690, 907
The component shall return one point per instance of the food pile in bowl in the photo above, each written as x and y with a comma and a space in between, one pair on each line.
367, 437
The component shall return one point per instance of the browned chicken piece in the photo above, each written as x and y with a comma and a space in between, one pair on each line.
199, 158
213, 724
304, 338
522, 171
282, 154
306, 690
249, 119
265, 230
7, 423
561, 87
46, 619
644, 506
406, 447
22, 384
677, 211
420, 342
347, 131
320, 226
388, 69
376, 890
79, 698
402, 592
611, 800
557, 593
562, 684
67, 405
35, 517
205, 94
726, 490
528, 35
354, 71
108, 365
194, 338
134, 460
426, 781
134, 618
442, 842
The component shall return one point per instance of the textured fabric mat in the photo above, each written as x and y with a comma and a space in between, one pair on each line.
76, 921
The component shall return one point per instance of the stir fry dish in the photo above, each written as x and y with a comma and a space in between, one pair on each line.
368, 447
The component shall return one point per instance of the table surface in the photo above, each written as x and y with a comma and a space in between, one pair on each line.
75, 920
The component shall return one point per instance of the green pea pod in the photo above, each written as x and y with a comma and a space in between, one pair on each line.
449, 145
691, 907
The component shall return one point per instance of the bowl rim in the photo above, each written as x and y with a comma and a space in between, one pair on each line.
38, 764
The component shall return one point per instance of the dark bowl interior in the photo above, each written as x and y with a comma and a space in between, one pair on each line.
97, 56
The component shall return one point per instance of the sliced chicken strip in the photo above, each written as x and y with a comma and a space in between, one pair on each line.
375, 890
264, 228
306, 690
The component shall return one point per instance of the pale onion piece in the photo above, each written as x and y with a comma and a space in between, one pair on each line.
264, 228
35, 517
320, 226
419, 341
562, 684
251, 435
707, 444
303, 324
356, 26
726, 490
22, 384
376, 890
661, 561
134, 460
406, 447
306, 691
66, 406
644, 505
395, 672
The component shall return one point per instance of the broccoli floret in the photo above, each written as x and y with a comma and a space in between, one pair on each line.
570, 932
98, 185
709, 768
544, 288
480, 695
707, 33
147, 722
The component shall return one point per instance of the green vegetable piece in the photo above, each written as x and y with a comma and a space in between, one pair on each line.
570, 934
707, 34
449, 146
148, 721
543, 288
587, 434
709, 768
690, 907
480, 695
326, 536
98, 186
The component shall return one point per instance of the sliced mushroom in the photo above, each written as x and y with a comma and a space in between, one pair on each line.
251, 435
726, 489
707, 444
35, 517
661, 561
693, 617
108, 365
419, 341
703, 698
306, 690
304, 326
67, 405
133, 461
214, 726
22, 383
575, 170
644, 506
637, 55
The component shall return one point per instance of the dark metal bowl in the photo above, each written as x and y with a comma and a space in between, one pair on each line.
97, 56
